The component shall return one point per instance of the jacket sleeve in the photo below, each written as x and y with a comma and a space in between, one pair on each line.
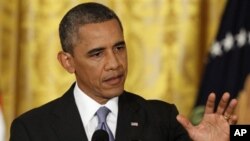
165, 115
18, 131
179, 132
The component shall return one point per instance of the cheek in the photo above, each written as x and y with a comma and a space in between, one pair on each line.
93, 73
89, 78
123, 60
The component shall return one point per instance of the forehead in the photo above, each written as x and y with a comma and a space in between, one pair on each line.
108, 29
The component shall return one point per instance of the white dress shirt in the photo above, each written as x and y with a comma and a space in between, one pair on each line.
87, 108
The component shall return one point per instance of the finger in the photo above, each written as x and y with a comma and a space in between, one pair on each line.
185, 123
231, 107
210, 104
233, 120
223, 103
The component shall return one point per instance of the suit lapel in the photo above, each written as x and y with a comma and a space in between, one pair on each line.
67, 121
67, 124
131, 119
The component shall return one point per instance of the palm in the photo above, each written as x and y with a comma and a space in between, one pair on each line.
214, 125
211, 128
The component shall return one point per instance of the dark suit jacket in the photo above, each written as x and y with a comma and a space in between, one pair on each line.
138, 120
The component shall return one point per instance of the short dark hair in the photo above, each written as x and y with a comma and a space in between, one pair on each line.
80, 15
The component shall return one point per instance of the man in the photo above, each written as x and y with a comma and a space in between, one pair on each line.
94, 50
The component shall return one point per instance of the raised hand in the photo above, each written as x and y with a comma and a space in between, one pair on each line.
215, 124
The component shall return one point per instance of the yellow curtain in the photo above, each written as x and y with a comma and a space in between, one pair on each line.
167, 43
168, 40
242, 110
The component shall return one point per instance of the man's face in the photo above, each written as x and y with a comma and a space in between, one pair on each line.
100, 60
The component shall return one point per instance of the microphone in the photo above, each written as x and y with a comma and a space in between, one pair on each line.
100, 135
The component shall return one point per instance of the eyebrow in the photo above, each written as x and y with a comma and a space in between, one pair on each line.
102, 48
119, 43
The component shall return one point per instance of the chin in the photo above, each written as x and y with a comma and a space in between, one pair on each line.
114, 93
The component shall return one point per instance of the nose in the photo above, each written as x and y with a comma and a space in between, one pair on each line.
112, 61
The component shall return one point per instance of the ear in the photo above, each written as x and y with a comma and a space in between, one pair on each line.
66, 61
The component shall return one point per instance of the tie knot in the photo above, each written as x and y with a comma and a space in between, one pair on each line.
102, 113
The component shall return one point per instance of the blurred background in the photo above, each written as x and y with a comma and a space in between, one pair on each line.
175, 48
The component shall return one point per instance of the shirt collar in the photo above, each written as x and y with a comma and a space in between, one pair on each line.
87, 106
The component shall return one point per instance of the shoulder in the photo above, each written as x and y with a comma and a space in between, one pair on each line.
39, 112
152, 105
35, 123
35, 119
153, 102
158, 116
48, 108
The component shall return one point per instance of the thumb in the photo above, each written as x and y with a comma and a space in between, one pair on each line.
185, 123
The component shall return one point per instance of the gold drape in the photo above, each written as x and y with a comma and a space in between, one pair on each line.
242, 109
167, 43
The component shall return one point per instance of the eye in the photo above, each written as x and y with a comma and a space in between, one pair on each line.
120, 48
96, 54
